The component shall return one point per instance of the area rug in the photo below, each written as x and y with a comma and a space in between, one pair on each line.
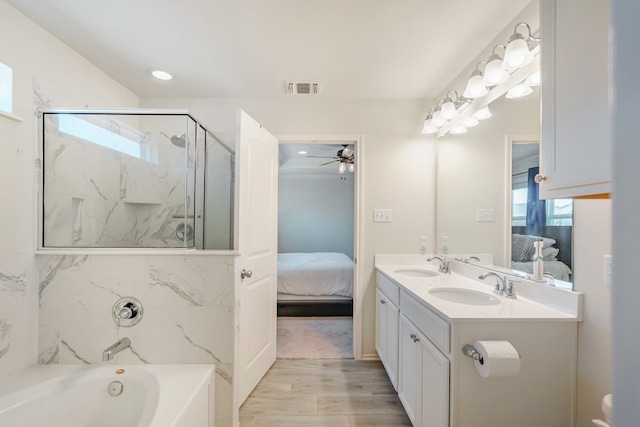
315, 338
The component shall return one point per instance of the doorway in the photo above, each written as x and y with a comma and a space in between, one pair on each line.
318, 246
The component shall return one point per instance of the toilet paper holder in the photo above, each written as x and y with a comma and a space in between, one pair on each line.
469, 350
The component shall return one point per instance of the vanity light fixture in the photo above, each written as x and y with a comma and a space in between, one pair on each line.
533, 79
428, 127
470, 122
519, 91
457, 130
483, 113
518, 52
437, 119
475, 88
448, 107
494, 72
161, 75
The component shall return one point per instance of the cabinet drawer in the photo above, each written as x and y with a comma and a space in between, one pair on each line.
432, 326
389, 288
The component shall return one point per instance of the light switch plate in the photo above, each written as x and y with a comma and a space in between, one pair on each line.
382, 215
485, 215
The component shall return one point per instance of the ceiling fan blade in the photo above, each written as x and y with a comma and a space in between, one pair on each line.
324, 157
332, 161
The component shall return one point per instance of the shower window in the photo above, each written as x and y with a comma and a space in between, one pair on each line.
132, 179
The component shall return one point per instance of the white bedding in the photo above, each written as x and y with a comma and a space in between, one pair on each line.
320, 273
559, 269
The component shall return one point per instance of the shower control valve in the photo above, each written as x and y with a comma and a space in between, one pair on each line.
127, 312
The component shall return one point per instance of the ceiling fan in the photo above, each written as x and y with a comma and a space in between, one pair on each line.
344, 156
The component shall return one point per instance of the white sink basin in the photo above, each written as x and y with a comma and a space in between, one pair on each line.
417, 272
464, 296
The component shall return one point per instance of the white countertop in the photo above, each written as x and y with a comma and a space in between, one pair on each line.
521, 308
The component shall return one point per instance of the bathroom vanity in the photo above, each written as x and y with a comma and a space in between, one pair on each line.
425, 317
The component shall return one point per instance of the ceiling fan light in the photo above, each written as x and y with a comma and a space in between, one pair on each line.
519, 91
352, 167
346, 152
494, 74
342, 167
517, 54
475, 88
483, 113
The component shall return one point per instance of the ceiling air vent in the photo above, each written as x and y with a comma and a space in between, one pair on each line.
303, 88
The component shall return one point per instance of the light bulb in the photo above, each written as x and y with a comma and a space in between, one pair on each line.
437, 119
494, 74
475, 88
448, 110
470, 122
517, 53
457, 130
483, 113
519, 91
352, 167
342, 167
428, 127
533, 79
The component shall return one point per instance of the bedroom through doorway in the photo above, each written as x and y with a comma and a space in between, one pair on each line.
316, 249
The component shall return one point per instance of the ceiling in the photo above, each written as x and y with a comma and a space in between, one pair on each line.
356, 49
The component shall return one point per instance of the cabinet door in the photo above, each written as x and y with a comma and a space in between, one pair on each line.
381, 326
409, 385
575, 145
435, 386
393, 316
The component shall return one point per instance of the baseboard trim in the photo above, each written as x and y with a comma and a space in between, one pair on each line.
370, 357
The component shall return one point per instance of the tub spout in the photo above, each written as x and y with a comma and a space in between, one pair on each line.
115, 348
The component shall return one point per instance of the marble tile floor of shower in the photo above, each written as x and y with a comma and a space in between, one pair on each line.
324, 393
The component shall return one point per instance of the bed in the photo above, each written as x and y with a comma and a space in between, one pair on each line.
317, 274
556, 250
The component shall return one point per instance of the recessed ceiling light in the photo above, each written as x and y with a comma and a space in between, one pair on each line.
162, 75
302, 152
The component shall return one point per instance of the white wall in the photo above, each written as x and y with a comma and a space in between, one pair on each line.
315, 212
398, 164
591, 241
61, 77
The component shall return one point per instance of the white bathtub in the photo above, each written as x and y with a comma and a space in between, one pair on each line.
77, 396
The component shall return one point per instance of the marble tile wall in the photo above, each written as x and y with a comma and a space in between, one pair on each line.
188, 303
18, 312
100, 197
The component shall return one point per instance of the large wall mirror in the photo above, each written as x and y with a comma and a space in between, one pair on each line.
486, 197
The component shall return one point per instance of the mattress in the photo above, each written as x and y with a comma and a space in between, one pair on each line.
318, 273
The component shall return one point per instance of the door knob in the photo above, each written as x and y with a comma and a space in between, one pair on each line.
539, 178
245, 273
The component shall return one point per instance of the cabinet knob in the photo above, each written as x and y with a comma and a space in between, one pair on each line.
539, 178
382, 301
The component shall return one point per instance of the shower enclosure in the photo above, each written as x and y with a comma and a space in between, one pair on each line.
133, 179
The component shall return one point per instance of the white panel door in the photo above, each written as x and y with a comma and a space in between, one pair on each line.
257, 244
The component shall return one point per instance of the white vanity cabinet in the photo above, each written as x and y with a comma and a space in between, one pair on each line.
424, 378
576, 141
387, 315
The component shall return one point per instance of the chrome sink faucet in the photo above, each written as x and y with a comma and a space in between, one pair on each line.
500, 282
444, 264
115, 348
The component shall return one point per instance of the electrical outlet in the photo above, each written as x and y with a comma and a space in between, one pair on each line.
382, 215
608, 270
423, 243
485, 215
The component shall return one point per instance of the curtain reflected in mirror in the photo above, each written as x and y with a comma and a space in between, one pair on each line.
533, 219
